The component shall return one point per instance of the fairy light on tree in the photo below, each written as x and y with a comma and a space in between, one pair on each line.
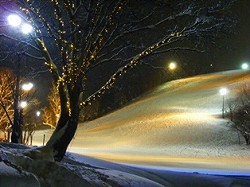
85, 35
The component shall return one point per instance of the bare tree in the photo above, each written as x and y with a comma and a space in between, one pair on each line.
7, 81
240, 113
51, 113
29, 121
76, 38
7, 93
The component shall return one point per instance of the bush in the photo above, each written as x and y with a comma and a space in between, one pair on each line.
240, 114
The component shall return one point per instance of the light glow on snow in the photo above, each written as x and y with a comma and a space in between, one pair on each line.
177, 124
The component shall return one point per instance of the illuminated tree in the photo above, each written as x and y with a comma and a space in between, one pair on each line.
7, 83
51, 114
76, 39
7, 92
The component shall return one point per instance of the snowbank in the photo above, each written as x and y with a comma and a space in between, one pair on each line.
19, 170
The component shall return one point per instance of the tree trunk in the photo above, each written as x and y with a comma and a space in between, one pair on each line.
63, 137
15, 135
66, 126
247, 139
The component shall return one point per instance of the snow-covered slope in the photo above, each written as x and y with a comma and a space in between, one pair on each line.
19, 168
174, 129
178, 124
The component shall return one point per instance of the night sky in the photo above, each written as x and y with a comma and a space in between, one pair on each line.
229, 52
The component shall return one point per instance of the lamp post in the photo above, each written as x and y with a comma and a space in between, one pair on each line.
16, 122
18, 110
22, 105
16, 21
223, 92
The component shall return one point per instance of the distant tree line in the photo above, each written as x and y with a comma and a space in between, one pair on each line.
239, 111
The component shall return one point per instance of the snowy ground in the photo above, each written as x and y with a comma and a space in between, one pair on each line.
178, 124
20, 167
177, 127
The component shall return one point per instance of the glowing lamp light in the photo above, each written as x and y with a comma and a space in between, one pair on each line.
172, 66
223, 91
14, 20
27, 86
23, 104
245, 66
38, 113
26, 28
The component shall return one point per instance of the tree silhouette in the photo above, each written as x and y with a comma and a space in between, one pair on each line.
75, 38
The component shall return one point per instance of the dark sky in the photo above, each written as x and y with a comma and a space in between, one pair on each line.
229, 52
233, 49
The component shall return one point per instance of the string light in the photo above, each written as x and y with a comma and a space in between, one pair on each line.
71, 51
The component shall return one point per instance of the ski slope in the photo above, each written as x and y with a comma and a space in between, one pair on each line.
178, 124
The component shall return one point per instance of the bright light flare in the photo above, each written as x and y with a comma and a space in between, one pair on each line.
172, 66
223, 91
23, 104
14, 20
245, 66
38, 113
27, 86
26, 28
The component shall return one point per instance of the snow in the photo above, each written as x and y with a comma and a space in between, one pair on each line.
17, 169
177, 124
177, 127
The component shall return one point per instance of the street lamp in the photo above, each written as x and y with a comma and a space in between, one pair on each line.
27, 86
26, 28
23, 104
245, 66
38, 113
172, 66
18, 109
223, 92
16, 21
